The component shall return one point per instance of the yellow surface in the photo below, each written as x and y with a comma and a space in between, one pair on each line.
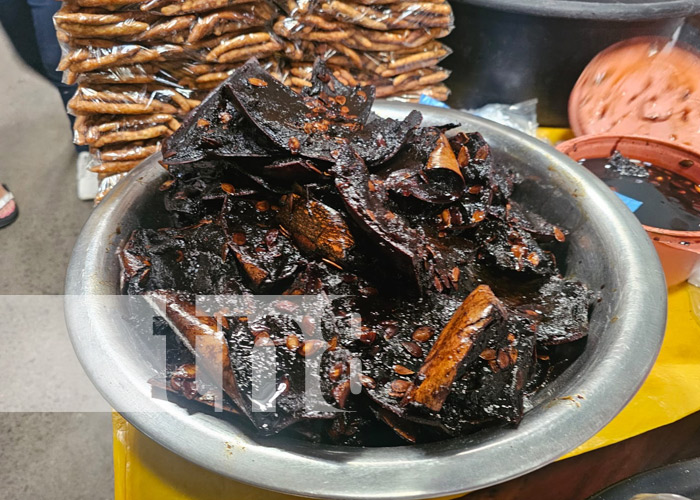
554, 135
671, 391
143, 470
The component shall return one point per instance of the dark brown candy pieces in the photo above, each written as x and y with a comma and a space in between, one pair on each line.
366, 201
202, 333
453, 347
314, 125
316, 228
215, 129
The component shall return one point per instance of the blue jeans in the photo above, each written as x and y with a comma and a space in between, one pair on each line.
29, 25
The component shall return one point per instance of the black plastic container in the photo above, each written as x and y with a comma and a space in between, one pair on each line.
508, 51
682, 478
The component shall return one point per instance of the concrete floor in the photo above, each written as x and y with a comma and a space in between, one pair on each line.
47, 450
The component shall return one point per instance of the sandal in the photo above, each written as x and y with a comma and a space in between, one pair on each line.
4, 200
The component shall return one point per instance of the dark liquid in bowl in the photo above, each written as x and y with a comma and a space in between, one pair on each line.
669, 201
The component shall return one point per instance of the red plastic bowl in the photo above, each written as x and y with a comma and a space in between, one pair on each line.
679, 251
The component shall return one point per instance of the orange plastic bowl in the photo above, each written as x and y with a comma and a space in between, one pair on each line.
679, 251
646, 86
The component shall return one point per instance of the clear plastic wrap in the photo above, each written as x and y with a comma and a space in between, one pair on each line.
136, 150
384, 64
106, 185
389, 64
390, 44
145, 27
177, 7
206, 76
231, 19
98, 131
113, 167
402, 87
401, 15
315, 28
131, 100
128, 29
240, 48
130, 74
520, 116
439, 92
159, 7
91, 57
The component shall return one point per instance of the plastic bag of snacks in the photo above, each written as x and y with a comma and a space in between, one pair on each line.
141, 66
131, 100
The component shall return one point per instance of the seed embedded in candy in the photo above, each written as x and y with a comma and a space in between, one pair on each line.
413, 349
559, 234
423, 333
293, 342
311, 347
399, 387
402, 370
257, 82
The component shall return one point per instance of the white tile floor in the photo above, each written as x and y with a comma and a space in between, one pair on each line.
43, 455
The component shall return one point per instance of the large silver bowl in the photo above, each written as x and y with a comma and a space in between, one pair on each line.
608, 250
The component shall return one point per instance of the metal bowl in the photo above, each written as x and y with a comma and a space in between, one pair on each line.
608, 250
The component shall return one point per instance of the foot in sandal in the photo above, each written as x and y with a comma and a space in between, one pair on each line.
8, 207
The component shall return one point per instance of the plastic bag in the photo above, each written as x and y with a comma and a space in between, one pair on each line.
160, 7
84, 59
388, 64
314, 28
402, 15
439, 92
136, 150
132, 100
206, 76
98, 131
240, 48
521, 116
383, 64
106, 185
392, 45
230, 20
176, 7
404, 87
131, 74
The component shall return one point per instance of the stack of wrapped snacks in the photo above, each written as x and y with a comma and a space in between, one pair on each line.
387, 43
141, 66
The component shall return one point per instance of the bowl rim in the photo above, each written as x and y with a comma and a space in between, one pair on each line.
546, 433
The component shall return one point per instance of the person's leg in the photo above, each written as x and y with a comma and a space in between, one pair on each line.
49, 49
16, 19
